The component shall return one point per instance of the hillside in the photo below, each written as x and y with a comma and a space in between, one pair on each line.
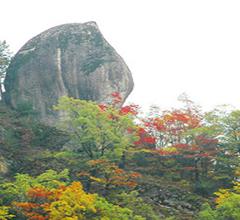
150, 177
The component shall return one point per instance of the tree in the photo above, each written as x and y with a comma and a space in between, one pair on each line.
182, 145
65, 202
16, 190
96, 131
70, 203
110, 177
228, 202
227, 205
50, 196
5, 57
226, 121
133, 201
207, 213
4, 213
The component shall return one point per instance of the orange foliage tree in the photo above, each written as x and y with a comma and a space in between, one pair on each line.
65, 201
110, 176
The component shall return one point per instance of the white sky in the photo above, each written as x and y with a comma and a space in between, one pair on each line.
171, 46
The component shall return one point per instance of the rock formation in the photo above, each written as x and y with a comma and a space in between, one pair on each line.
70, 59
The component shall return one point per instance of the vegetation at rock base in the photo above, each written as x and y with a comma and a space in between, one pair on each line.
105, 162
102, 162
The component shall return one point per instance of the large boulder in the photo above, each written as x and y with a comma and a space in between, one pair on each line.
70, 59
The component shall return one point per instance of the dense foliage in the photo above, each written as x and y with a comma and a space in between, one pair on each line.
106, 162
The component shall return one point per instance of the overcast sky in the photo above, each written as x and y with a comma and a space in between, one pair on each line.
171, 46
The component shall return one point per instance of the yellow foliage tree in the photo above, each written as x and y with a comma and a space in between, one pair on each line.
224, 194
4, 213
73, 203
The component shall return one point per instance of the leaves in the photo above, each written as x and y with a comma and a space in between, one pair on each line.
227, 205
4, 213
68, 202
110, 176
18, 189
96, 130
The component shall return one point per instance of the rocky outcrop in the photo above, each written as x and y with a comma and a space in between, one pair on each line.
70, 59
170, 199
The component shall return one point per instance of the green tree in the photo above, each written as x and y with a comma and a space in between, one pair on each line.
227, 205
226, 121
5, 57
207, 213
108, 211
94, 132
134, 202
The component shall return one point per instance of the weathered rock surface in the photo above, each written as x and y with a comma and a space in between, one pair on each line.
70, 59
170, 199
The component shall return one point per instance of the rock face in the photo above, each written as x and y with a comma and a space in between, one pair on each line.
70, 59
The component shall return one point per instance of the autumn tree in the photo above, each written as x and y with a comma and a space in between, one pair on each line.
74, 203
16, 190
109, 177
60, 203
70, 202
226, 207
181, 144
50, 196
4, 213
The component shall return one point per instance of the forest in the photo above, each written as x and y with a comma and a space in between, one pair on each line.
102, 161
